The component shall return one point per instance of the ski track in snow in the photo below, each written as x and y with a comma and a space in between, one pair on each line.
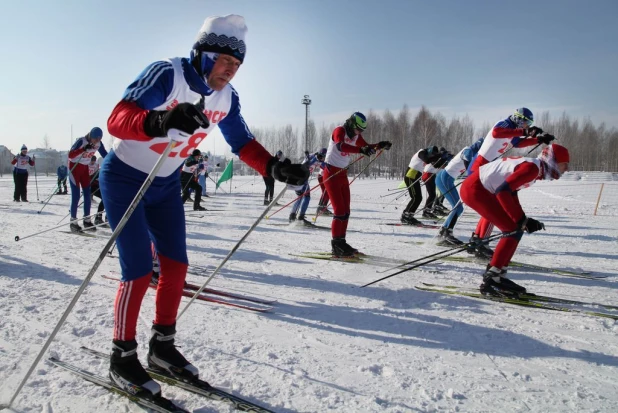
328, 345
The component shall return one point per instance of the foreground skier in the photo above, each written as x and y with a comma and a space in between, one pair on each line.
159, 100
492, 192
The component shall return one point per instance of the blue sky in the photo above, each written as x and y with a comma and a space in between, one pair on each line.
67, 62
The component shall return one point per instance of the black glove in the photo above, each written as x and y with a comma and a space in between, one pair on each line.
533, 131
367, 150
546, 138
385, 145
288, 172
530, 225
184, 117
88, 147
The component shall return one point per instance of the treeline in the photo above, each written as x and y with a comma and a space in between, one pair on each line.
592, 147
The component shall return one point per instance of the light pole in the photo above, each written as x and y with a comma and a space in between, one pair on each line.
306, 101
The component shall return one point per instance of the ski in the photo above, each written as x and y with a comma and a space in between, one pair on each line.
197, 386
158, 404
203, 297
190, 294
194, 287
535, 297
330, 257
82, 233
293, 225
421, 225
523, 302
559, 271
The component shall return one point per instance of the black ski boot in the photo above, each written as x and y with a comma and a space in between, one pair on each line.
479, 249
496, 283
88, 226
75, 226
341, 248
127, 372
164, 356
351, 248
98, 219
323, 210
446, 238
199, 208
408, 219
428, 214
303, 220
292, 217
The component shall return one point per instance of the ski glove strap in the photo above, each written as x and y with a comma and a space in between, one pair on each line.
367, 150
530, 225
185, 118
533, 131
385, 145
545, 138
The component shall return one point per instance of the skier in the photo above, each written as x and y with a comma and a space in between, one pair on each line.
302, 191
203, 174
161, 100
346, 139
269, 181
516, 131
492, 192
95, 190
81, 153
324, 200
188, 179
412, 180
93, 167
428, 177
20, 174
62, 173
445, 181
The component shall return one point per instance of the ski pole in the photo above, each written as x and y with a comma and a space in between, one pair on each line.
362, 170
232, 251
138, 197
18, 238
216, 183
446, 253
36, 182
400, 190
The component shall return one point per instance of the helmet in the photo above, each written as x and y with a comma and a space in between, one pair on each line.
323, 151
24, 148
196, 152
550, 157
94, 158
357, 121
522, 117
95, 133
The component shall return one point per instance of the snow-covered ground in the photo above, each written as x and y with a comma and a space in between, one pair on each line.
328, 345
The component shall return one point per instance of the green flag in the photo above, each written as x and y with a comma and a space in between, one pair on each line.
227, 174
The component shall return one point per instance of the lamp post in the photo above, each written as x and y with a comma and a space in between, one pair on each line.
306, 101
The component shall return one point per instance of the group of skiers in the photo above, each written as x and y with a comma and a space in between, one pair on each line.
160, 104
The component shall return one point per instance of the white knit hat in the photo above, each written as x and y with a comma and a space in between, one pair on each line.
223, 34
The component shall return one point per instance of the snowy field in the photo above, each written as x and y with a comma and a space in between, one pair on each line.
328, 345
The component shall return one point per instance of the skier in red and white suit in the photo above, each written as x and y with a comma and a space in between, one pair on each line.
492, 192
516, 131
346, 139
